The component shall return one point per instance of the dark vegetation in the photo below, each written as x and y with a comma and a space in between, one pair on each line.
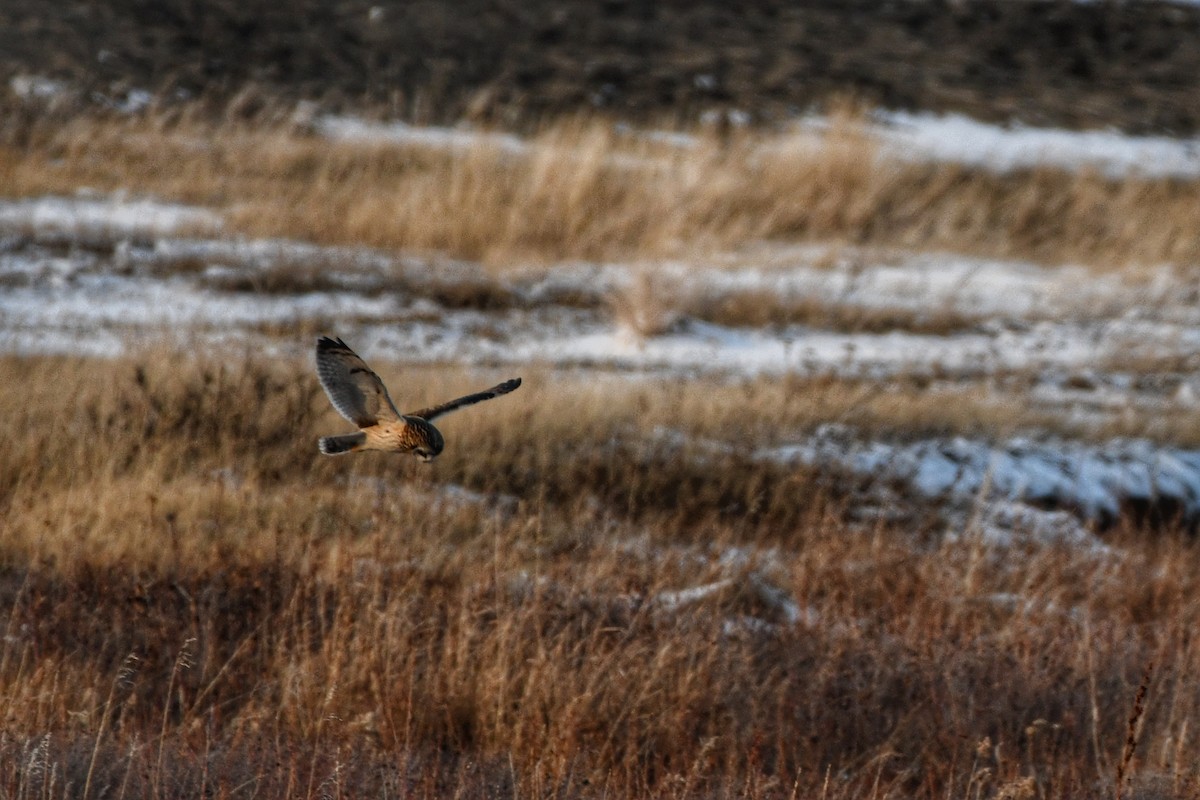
1132, 65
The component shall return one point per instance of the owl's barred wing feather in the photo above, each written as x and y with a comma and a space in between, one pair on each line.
354, 389
430, 414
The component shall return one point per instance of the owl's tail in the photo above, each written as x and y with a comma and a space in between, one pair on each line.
346, 443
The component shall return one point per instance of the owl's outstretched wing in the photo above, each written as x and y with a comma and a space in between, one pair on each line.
354, 389
430, 414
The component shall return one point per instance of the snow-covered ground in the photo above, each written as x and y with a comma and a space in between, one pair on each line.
352, 129
137, 278
114, 218
1013, 492
959, 139
949, 138
1021, 482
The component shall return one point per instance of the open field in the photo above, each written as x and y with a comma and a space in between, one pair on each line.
841, 468
196, 605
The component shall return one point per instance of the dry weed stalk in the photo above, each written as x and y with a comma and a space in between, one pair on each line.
1133, 731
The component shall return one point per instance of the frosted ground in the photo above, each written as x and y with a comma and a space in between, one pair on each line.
101, 275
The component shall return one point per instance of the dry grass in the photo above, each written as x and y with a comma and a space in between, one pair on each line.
582, 189
195, 604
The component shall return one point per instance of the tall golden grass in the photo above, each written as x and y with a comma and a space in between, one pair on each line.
194, 603
586, 189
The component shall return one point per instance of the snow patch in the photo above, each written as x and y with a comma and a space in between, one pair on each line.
907, 136
38, 87
958, 139
114, 217
360, 131
1096, 482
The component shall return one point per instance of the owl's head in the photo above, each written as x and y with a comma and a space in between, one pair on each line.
431, 443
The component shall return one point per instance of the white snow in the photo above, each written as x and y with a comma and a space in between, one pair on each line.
91, 301
962, 140
928, 282
673, 600
947, 138
1029, 317
37, 87
360, 131
116, 217
697, 348
1006, 524
1094, 481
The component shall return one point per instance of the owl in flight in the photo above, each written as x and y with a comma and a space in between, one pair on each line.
360, 396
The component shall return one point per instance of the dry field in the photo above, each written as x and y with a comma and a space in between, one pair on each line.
600, 589
195, 604
585, 189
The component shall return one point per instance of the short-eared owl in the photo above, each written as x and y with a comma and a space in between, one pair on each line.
360, 396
